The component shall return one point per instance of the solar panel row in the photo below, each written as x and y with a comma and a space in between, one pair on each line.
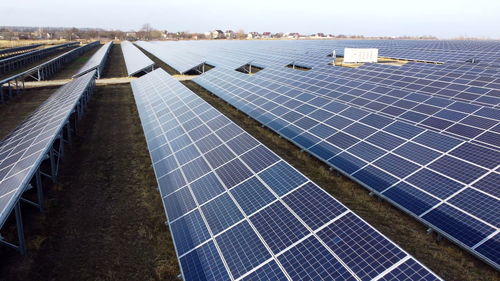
15, 62
237, 211
14, 84
183, 56
443, 181
10, 51
135, 60
22, 151
96, 62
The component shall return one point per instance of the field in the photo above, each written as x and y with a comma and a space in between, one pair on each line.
19, 43
105, 219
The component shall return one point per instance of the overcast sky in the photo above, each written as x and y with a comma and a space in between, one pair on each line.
442, 18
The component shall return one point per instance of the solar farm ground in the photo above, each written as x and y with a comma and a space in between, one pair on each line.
105, 219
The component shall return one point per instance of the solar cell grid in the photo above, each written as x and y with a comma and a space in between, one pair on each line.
425, 148
135, 60
24, 149
239, 220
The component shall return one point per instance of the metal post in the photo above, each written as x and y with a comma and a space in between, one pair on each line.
52, 164
39, 189
20, 229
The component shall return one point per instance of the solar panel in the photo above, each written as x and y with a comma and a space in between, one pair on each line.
15, 83
9, 51
96, 62
135, 60
18, 61
22, 151
237, 211
418, 167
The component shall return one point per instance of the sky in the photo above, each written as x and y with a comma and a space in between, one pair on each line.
441, 18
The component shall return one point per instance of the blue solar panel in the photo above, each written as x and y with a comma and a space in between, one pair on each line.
270, 271
219, 156
463, 227
411, 198
252, 195
195, 264
434, 183
375, 178
189, 232
278, 226
457, 169
347, 163
366, 257
259, 158
300, 264
233, 173
478, 204
179, 203
314, 206
489, 184
235, 209
409, 270
242, 249
221, 213
491, 249
206, 188
282, 178
396, 165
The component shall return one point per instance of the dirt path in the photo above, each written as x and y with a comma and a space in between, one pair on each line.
116, 63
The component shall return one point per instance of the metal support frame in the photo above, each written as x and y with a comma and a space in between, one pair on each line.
21, 242
38, 73
56, 152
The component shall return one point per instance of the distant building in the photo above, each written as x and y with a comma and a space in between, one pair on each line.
278, 35
218, 34
294, 35
253, 35
132, 36
229, 34
266, 35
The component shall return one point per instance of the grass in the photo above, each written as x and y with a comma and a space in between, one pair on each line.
19, 43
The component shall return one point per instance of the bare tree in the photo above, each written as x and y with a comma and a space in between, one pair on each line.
240, 34
145, 31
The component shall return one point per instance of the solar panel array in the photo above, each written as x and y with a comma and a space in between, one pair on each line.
135, 60
443, 180
237, 211
22, 151
9, 51
423, 136
15, 83
15, 62
184, 55
96, 62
